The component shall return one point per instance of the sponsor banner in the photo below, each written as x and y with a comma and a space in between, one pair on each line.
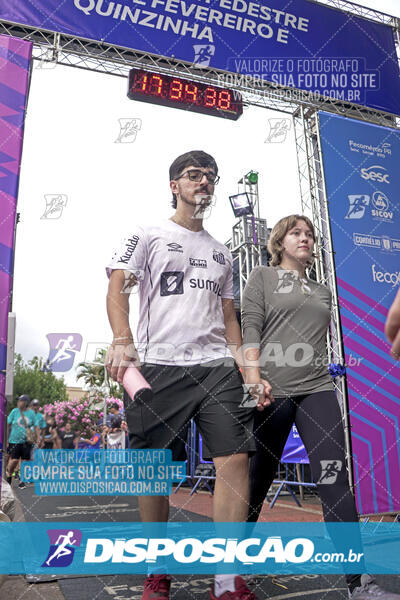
15, 65
362, 182
187, 548
306, 46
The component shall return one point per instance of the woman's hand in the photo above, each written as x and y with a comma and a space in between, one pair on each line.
260, 389
267, 398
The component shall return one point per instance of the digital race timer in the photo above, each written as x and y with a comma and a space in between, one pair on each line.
183, 93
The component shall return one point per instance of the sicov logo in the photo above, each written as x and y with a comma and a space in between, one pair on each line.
375, 173
381, 205
385, 277
62, 547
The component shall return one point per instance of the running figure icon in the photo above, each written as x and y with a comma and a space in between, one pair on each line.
62, 549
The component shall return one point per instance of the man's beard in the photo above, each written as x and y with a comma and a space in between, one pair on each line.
200, 199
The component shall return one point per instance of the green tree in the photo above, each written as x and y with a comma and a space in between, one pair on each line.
31, 378
94, 376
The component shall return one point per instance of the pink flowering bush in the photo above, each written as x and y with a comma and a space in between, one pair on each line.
80, 412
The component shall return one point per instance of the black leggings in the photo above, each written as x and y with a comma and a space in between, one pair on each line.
319, 422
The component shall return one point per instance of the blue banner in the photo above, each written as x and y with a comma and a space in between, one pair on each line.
294, 450
361, 164
92, 548
308, 46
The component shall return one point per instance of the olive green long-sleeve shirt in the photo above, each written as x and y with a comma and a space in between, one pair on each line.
287, 317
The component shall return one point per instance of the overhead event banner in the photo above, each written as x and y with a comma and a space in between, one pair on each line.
361, 163
304, 45
15, 60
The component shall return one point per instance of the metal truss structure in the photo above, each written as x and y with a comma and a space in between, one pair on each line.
57, 48
314, 205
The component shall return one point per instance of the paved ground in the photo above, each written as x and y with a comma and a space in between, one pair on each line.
285, 510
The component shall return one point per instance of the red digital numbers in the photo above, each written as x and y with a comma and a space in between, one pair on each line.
199, 97
175, 90
224, 100
155, 85
210, 97
191, 92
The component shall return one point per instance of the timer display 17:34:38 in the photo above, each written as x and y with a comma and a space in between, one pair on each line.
182, 93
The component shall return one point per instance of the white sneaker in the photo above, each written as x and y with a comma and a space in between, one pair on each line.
370, 589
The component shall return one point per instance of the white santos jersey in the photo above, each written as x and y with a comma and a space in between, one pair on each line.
182, 275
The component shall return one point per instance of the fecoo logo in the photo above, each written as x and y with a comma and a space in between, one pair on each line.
375, 173
385, 277
62, 547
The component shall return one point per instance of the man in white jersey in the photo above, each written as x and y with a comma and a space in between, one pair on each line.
187, 319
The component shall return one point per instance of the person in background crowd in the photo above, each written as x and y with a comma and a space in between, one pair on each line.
392, 327
49, 437
20, 420
67, 439
283, 312
40, 421
114, 419
92, 443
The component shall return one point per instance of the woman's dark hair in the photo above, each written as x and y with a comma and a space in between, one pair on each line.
194, 158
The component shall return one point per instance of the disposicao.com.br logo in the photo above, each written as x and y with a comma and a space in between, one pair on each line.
62, 547
200, 547
192, 550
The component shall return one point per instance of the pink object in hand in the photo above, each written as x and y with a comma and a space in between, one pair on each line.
136, 386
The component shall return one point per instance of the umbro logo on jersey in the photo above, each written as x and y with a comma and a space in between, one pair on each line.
130, 249
198, 262
171, 283
219, 257
174, 247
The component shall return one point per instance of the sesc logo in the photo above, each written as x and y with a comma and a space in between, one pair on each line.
385, 277
375, 173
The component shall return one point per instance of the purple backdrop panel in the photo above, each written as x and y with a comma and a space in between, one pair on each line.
15, 57
362, 182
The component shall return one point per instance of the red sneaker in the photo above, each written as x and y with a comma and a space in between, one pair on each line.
242, 592
156, 587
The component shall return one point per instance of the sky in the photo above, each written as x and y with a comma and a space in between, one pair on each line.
71, 150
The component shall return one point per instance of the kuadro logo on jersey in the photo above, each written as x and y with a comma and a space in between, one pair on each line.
191, 550
205, 284
130, 249
375, 173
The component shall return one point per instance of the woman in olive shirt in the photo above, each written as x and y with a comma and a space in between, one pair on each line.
285, 317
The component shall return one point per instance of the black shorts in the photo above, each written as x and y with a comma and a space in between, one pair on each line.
20, 450
211, 394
